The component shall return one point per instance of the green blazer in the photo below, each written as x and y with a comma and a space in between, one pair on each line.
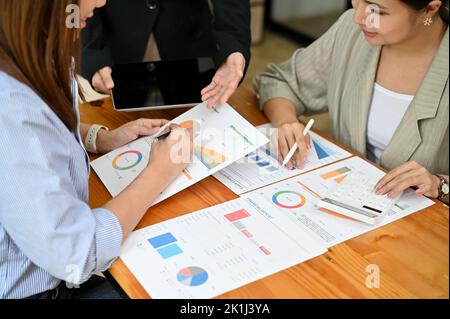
337, 74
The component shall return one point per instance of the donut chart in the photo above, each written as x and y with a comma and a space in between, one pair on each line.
127, 160
288, 199
192, 276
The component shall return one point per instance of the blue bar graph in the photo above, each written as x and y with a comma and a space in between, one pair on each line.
162, 240
263, 164
169, 251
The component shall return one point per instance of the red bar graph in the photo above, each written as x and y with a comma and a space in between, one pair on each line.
240, 214
247, 233
264, 250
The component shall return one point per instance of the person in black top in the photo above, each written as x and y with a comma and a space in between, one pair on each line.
152, 30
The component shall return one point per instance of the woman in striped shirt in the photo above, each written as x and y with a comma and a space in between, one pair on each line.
49, 236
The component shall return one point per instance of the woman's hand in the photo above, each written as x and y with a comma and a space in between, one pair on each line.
286, 136
408, 175
225, 81
170, 156
102, 80
111, 140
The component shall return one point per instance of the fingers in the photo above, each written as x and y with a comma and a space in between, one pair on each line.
302, 153
290, 134
144, 130
394, 173
209, 88
400, 183
430, 188
211, 93
228, 93
308, 141
405, 176
98, 85
105, 73
424, 190
149, 126
152, 123
276, 145
283, 148
225, 81
102, 80
212, 102
290, 138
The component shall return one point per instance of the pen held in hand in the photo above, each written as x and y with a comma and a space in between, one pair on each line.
165, 131
295, 146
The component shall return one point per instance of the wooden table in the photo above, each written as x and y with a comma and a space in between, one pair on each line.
412, 253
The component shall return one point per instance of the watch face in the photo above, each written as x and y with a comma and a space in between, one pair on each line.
445, 188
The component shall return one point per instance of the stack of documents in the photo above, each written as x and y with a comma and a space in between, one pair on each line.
276, 223
222, 136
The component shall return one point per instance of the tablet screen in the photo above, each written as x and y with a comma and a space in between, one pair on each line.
161, 84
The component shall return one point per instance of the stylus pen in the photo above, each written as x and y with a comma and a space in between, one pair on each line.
164, 135
165, 132
295, 146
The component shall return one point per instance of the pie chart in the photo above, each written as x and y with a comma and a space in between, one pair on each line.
127, 160
289, 199
192, 276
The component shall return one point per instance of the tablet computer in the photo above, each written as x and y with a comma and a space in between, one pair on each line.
161, 85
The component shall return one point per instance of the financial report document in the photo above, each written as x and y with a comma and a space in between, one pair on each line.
298, 197
221, 137
215, 250
261, 167
207, 253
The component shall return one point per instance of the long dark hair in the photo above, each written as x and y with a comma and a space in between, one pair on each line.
421, 4
36, 48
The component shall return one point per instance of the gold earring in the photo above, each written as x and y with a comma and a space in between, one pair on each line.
428, 22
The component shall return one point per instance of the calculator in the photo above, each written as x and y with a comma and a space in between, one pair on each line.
355, 198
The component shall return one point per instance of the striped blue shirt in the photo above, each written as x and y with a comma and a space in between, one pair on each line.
48, 232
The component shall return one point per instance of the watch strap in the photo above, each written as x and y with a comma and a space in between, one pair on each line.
90, 142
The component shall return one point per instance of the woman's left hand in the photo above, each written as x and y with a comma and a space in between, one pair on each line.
110, 140
225, 81
408, 175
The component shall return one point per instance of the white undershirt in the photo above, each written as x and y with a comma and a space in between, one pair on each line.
386, 112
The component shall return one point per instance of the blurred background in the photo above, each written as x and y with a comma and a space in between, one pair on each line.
279, 27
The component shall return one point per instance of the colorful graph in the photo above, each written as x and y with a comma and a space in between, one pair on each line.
268, 152
209, 157
238, 215
402, 206
265, 163
192, 276
322, 151
194, 124
338, 174
165, 245
237, 218
127, 160
289, 199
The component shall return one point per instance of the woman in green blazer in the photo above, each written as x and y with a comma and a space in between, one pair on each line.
382, 73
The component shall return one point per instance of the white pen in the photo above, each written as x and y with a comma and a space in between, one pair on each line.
295, 147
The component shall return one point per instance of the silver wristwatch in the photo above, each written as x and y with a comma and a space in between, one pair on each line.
444, 188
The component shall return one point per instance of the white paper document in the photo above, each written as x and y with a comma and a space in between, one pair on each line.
298, 196
218, 249
261, 168
215, 250
221, 137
